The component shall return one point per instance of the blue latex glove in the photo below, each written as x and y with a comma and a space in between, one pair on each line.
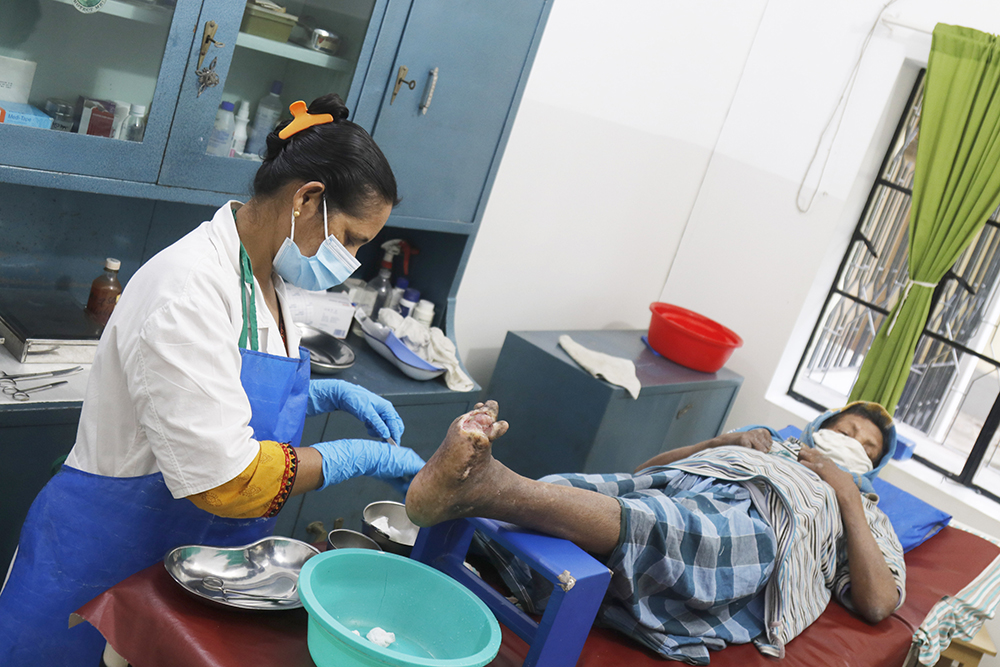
374, 411
344, 459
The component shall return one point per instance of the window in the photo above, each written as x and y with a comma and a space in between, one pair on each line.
950, 405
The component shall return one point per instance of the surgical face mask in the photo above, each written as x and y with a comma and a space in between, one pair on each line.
844, 450
331, 265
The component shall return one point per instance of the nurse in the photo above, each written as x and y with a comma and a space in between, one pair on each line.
191, 422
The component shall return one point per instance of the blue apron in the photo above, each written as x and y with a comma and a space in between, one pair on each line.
84, 533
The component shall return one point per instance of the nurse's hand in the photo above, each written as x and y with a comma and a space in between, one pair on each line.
344, 459
374, 411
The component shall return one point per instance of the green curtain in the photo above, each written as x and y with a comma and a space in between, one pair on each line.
956, 186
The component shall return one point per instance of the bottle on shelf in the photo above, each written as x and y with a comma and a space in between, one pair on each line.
122, 111
397, 293
221, 138
268, 113
134, 126
409, 301
382, 282
240, 130
105, 292
424, 312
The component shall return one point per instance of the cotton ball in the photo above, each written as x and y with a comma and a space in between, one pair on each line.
381, 637
356, 632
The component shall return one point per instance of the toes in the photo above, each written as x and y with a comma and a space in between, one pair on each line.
497, 430
489, 407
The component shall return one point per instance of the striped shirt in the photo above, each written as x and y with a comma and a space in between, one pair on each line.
802, 510
962, 615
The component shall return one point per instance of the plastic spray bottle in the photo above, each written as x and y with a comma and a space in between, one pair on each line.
382, 283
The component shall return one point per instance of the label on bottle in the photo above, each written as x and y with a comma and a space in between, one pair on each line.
102, 303
218, 142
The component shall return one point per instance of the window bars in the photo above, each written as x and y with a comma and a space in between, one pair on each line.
952, 396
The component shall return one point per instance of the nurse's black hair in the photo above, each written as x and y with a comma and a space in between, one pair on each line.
341, 155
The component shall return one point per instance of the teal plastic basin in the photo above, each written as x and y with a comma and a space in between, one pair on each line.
437, 621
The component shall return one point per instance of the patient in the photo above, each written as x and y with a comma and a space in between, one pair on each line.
740, 538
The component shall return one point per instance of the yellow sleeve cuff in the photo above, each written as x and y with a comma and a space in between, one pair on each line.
259, 491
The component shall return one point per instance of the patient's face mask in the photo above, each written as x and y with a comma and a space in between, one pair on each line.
331, 265
843, 450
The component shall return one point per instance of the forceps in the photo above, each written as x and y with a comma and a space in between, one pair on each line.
7, 381
23, 395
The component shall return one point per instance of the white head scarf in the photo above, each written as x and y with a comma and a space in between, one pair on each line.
844, 450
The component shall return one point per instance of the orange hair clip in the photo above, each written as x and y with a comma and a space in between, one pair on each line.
301, 119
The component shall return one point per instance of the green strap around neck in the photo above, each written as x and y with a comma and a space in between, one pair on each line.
249, 312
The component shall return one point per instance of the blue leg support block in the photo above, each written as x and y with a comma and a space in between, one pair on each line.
558, 639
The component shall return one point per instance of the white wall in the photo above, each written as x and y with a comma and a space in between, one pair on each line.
657, 155
618, 122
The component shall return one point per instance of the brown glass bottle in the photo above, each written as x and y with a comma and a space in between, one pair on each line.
105, 292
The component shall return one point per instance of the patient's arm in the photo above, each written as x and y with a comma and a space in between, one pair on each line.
758, 438
873, 589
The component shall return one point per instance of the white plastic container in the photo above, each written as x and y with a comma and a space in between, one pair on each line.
268, 113
409, 301
221, 138
240, 130
134, 127
397, 293
122, 111
424, 312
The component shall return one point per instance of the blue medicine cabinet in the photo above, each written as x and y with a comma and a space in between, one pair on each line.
436, 82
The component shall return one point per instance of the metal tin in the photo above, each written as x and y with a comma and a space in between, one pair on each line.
46, 326
327, 355
316, 39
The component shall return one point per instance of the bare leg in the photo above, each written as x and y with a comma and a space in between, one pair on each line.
463, 479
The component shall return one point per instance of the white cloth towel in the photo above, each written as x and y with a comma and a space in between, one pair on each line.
612, 369
431, 345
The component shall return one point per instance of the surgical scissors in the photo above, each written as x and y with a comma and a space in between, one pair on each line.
11, 380
23, 395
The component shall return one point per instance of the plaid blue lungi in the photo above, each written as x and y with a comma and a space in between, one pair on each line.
689, 571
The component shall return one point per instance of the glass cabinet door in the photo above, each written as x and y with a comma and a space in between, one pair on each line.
89, 86
272, 54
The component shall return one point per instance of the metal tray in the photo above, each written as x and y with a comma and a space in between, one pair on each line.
46, 326
262, 568
327, 355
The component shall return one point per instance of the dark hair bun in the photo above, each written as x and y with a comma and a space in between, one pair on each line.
331, 104
341, 154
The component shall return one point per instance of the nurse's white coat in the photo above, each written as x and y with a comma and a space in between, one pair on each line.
164, 393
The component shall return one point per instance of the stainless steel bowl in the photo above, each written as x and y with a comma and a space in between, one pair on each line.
342, 538
327, 355
268, 567
398, 534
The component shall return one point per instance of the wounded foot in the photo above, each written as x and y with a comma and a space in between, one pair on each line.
462, 475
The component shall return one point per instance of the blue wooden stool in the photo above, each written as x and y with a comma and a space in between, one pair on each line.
579, 582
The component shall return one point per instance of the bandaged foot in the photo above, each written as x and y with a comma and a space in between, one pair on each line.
462, 477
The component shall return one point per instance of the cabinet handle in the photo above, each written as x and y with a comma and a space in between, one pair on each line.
207, 76
430, 91
207, 39
400, 80
683, 411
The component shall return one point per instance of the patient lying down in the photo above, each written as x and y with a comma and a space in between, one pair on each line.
741, 538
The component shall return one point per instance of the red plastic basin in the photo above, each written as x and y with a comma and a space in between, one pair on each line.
689, 339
